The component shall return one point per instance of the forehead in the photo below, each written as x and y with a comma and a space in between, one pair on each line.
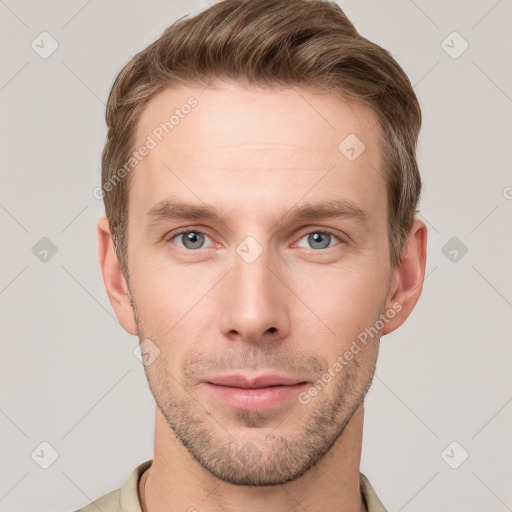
241, 144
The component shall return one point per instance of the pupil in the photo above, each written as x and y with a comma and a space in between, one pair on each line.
316, 238
192, 238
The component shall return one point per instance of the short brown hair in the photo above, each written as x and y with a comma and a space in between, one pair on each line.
306, 43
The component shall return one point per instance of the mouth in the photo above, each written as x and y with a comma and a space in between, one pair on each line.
261, 393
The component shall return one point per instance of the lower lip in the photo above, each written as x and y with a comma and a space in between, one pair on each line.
259, 399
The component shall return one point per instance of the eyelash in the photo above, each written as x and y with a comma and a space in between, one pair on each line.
192, 230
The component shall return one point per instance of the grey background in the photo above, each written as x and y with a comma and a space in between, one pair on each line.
68, 373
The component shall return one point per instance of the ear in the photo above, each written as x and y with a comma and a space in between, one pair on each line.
407, 279
115, 283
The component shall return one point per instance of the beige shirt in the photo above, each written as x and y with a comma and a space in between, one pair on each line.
126, 498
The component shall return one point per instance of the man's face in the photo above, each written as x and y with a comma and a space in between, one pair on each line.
258, 290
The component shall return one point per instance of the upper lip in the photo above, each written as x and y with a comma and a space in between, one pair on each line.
261, 381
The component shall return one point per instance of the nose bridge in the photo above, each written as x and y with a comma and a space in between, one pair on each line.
251, 268
254, 300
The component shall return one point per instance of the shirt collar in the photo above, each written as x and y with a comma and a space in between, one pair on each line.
129, 495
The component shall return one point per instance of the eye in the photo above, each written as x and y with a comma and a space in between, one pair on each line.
191, 240
320, 239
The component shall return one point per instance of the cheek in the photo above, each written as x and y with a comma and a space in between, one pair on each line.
173, 306
344, 301
170, 290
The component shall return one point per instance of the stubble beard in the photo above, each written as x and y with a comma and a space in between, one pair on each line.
283, 453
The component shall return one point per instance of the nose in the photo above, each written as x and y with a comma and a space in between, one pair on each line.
254, 306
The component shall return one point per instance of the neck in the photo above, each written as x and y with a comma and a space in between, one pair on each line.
332, 484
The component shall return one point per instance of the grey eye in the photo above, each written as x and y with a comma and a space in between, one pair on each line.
319, 239
192, 239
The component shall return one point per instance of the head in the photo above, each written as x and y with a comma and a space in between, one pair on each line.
260, 185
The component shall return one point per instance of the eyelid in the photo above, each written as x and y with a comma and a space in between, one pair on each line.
306, 230
169, 237
312, 229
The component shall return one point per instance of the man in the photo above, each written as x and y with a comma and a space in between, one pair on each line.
260, 237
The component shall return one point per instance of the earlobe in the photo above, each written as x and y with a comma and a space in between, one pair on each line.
407, 280
113, 278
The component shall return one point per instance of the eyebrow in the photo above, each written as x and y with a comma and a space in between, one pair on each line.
170, 209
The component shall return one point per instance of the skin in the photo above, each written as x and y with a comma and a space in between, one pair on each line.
254, 154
